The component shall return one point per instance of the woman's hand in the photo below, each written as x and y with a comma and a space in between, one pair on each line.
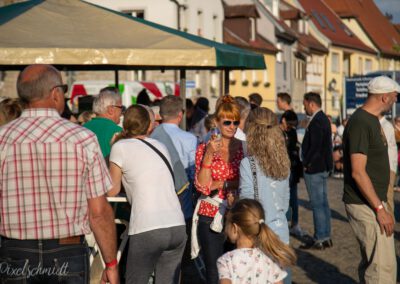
213, 146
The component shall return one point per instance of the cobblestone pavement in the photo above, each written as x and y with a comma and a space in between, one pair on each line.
338, 264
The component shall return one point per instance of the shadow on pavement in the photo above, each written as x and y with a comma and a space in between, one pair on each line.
334, 214
320, 271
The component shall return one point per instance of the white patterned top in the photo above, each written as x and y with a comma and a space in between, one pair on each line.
249, 266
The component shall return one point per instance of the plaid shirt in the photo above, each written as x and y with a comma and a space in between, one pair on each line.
49, 167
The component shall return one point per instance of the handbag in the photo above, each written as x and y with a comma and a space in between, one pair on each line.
178, 191
254, 174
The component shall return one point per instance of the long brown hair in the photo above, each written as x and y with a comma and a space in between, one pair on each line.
248, 215
266, 142
136, 122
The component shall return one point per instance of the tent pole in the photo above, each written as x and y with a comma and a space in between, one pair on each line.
182, 94
226, 81
116, 76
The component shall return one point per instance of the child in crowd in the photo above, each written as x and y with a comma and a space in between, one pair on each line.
260, 256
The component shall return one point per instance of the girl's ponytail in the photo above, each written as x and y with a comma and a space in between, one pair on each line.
272, 246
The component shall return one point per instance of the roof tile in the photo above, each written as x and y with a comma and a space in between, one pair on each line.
329, 24
379, 29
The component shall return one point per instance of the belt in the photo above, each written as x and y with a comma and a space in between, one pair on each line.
62, 241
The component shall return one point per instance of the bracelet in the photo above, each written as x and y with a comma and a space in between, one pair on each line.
112, 263
206, 166
380, 207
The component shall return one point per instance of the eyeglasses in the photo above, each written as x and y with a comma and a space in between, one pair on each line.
64, 88
229, 122
122, 108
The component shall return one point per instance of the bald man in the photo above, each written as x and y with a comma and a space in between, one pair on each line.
366, 181
54, 182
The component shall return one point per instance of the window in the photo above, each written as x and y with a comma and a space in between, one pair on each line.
279, 54
368, 65
252, 29
360, 65
254, 76
244, 76
330, 25
299, 70
335, 62
265, 76
319, 19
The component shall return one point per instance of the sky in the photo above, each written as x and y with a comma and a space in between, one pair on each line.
390, 6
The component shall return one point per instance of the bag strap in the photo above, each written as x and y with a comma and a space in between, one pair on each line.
161, 156
254, 173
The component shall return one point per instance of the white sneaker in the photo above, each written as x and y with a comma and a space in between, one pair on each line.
296, 231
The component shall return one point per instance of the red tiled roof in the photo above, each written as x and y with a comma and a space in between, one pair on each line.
311, 45
379, 29
288, 12
234, 11
260, 44
397, 27
288, 32
329, 24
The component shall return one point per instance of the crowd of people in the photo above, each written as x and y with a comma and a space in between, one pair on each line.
223, 190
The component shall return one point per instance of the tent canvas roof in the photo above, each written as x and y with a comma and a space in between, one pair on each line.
79, 35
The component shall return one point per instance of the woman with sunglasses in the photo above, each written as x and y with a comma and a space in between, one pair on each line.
268, 163
217, 179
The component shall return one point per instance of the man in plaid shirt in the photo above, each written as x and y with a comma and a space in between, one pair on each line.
53, 185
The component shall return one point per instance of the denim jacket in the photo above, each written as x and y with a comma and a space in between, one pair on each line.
273, 195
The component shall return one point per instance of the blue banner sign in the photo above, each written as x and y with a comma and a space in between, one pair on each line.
356, 92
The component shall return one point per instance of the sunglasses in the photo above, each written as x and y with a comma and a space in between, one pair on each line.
64, 88
229, 122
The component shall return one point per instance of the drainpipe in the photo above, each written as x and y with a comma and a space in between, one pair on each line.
178, 26
178, 13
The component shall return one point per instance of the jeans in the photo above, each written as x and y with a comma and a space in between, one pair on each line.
43, 261
212, 247
317, 192
292, 214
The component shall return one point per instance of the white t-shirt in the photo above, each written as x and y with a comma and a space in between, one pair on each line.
249, 266
148, 184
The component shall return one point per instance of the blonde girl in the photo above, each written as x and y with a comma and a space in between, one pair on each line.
260, 255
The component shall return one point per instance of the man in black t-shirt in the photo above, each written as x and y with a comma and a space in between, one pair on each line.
366, 179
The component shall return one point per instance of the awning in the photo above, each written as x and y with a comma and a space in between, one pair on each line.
78, 35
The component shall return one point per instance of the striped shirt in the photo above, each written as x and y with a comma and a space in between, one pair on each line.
49, 167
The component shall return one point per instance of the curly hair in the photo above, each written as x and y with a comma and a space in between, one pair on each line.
266, 143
